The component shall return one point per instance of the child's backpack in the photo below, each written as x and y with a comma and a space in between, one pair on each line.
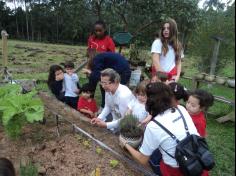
192, 153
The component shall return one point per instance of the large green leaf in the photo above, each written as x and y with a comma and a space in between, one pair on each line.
35, 110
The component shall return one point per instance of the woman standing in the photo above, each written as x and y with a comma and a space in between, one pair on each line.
99, 41
167, 52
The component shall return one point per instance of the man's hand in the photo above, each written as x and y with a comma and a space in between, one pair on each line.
101, 123
86, 71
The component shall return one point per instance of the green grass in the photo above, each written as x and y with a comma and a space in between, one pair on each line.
221, 137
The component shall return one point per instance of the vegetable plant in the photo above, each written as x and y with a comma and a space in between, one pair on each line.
17, 109
114, 163
129, 127
98, 150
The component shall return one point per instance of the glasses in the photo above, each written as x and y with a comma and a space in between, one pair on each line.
105, 83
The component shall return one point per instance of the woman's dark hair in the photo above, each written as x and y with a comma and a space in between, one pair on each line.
159, 98
179, 91
88, 88
205, 98
6, 167
51, 76
103, 24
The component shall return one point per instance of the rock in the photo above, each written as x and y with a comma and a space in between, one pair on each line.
42, 170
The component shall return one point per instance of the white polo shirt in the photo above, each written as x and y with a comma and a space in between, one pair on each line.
117, 105
155, 136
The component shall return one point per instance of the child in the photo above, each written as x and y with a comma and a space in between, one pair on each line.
179, 91
55, 81
99, 42
167, 52
87, 104
71, 81
198, 103
137, 106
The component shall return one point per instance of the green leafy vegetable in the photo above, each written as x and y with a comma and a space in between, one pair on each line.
98, 150
16, 109
114, 163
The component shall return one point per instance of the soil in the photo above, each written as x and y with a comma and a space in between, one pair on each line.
67, 155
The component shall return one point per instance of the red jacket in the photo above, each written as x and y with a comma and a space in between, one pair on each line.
199, 121
101, 45
88, 105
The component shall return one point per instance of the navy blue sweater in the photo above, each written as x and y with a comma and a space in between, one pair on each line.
109, 60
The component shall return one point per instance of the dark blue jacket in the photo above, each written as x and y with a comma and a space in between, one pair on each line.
110, 60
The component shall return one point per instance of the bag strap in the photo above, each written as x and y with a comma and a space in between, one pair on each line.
166, 130
185, 124
171, 134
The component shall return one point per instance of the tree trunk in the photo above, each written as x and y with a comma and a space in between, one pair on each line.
17, 27
27, 20
31, 23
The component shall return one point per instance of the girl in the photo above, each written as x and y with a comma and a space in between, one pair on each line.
99, 42
71, 81
159, 105
167, 52
87, 104
137, 107
55, 81
179, 91
198, 103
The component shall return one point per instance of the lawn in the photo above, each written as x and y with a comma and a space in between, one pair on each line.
29, 60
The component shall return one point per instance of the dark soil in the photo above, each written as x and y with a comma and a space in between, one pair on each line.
67, 155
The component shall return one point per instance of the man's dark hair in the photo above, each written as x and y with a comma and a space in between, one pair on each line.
6, 167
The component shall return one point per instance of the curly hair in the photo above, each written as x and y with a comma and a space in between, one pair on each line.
159, 98
205, 98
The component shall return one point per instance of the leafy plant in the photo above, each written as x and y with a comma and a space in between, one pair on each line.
28, 170
129, 127
98, 150
86, 143
114, 163
17, 109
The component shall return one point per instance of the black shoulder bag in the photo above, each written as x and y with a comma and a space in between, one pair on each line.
192, 153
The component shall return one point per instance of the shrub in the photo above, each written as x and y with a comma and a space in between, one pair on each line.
129, 127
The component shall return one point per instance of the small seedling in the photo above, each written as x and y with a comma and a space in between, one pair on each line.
114, 163
78, 137
98, 150
86, 143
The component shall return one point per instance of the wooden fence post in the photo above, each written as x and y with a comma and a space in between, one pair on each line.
215, 55
4, 47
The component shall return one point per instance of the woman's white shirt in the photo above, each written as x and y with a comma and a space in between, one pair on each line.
167, 62
155, 136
